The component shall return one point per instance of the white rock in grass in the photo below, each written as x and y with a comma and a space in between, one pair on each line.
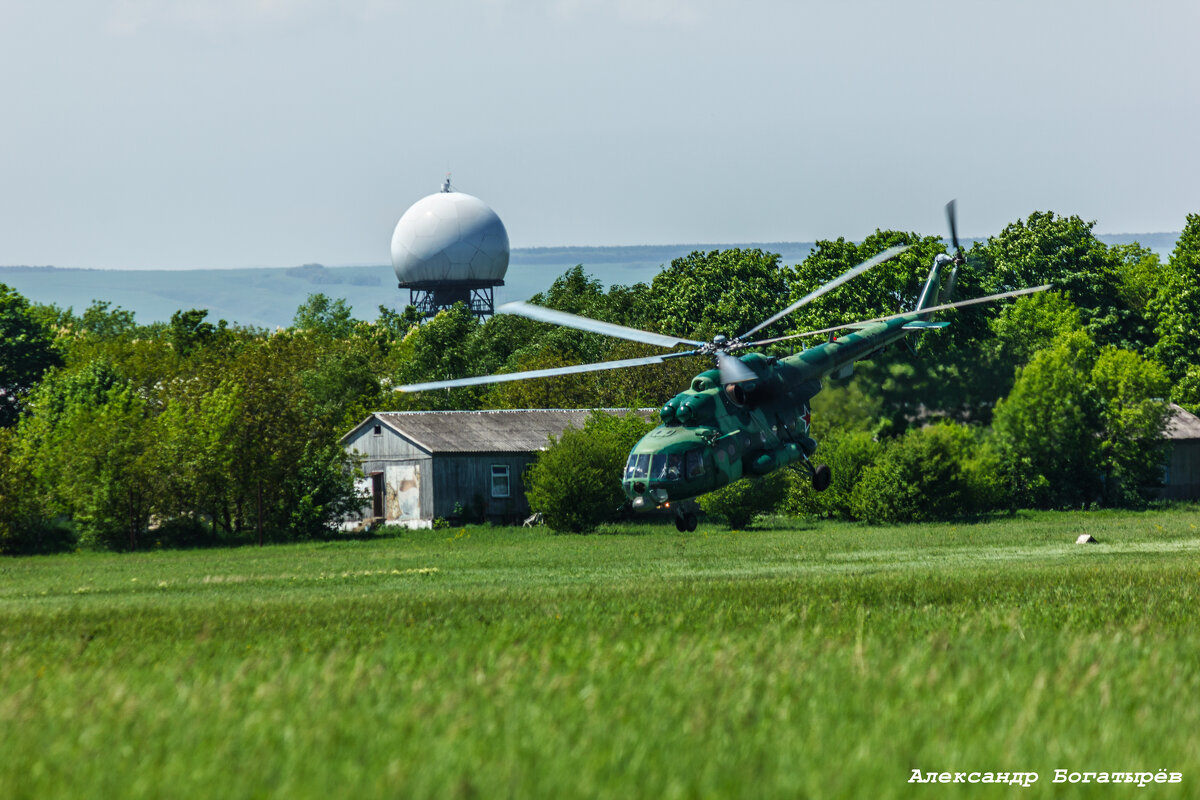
1086, 538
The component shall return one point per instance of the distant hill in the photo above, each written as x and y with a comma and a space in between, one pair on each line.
268, 296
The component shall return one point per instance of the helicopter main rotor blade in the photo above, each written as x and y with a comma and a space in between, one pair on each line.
875, 261
943, 307
537, 373
542, 314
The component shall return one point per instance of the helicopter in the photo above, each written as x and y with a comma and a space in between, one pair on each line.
750, 414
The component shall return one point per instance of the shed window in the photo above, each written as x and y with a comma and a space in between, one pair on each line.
378, 430
500, 487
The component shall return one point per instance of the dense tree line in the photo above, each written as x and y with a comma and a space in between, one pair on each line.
193, 431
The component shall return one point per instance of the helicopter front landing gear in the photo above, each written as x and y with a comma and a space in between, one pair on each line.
685, 520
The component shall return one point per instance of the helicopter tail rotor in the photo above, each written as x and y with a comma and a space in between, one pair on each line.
959, 255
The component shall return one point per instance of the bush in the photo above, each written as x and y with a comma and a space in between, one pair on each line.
848, 454
576, 482
185, 532
36, 537
743, 500
919, 477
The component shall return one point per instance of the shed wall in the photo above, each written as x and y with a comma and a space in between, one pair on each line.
1183, 471
387, 445
466, 478
403, 464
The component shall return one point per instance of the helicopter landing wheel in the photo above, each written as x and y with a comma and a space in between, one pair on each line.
680, 524
690, 522
822, 475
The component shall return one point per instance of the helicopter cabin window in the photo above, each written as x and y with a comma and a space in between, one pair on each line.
500, 480
638, 466
695, 463
666, 467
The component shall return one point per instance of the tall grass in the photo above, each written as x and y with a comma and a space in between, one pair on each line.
824, 660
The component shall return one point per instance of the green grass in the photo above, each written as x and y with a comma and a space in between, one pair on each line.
817, 661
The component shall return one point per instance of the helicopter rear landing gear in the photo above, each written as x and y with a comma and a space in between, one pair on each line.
685, 521
821, 477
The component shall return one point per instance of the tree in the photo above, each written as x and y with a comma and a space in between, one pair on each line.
342, 386
1046, 427
25, 527
1176, 310
935, 374
1030, 324
576, 482
1083, 424
319, 492
188, 331
1063, 251
1133, 419
566, 391
722, 291
104, 322
196, 437
438, 350
323, 316
390, 327
26, 352
92, 434
894, 285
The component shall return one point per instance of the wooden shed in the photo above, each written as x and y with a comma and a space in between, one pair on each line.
1181, 479
422, 465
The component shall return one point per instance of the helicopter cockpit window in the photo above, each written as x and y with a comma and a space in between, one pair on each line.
695, 463
638, 466
666, 467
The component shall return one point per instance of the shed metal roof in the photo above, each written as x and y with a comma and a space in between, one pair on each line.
1182, 424
508, 431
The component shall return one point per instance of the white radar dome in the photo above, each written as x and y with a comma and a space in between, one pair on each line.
449, 238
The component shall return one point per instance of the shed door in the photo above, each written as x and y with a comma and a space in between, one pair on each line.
377, 495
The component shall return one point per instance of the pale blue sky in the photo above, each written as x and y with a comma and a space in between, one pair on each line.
224, 133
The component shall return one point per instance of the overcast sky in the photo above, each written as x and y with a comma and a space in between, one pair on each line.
226, 133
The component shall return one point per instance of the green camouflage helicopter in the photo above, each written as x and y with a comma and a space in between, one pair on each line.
750, 415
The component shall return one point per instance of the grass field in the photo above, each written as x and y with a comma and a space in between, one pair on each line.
817, 661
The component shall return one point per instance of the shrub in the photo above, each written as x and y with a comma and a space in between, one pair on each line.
185, 532
576, 482
36, 537
743, 500
848, 454
919, 477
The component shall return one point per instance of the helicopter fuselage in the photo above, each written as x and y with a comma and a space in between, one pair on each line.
712, 435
